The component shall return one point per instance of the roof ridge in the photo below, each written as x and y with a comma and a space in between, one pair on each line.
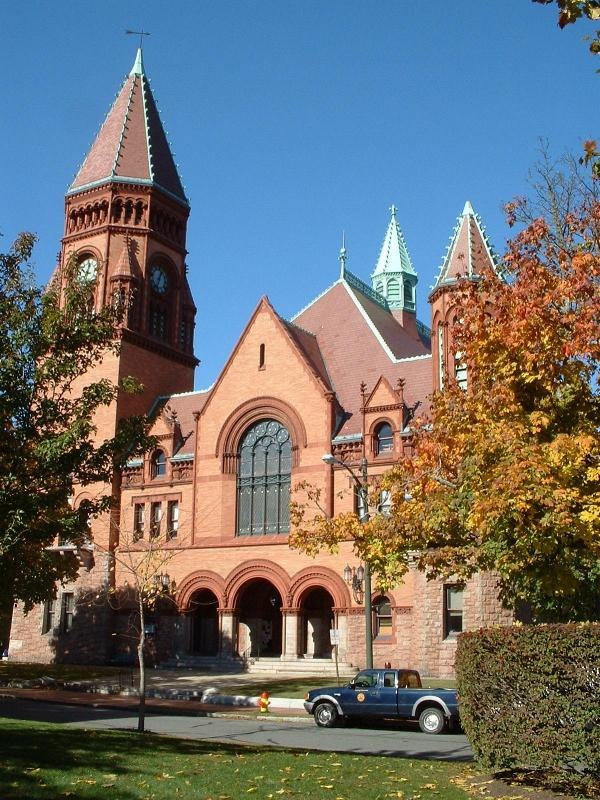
124, 126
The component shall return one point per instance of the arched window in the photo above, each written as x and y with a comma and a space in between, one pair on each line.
384, 438
159, 464
379, 287
263, 479
382, 609
409, 297
393, 289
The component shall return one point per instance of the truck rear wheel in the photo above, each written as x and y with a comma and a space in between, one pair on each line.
326, 715
432, 720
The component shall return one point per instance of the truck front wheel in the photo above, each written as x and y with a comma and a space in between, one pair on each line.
326, 715
432, 720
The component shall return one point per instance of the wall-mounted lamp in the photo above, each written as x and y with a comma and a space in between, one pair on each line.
355, 577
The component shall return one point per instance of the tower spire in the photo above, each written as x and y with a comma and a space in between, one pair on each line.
132, 146
343, 255
394, 276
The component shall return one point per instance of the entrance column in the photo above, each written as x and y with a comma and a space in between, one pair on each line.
228, 632
341, 623
290, 617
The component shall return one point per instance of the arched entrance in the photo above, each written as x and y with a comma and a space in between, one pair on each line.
316, 619
259, 614
203, 610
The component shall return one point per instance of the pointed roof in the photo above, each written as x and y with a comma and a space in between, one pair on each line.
469, 251
393, 256
131, 146
359, 339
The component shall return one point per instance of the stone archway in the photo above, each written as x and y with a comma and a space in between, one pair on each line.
316, 618
204, 617
259, 617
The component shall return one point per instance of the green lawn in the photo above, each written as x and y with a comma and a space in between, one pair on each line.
48, 761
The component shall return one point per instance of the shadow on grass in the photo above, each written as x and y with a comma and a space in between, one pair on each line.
47, 761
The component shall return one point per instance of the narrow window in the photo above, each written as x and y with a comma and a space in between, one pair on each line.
159, 464
139, 512
379, 287
49, 614
66, 611
393, 289
173, 518
409, 299
460, 371
453, 610
384, 438
440, 354
383, 617
261, 357
384, 505
156, 517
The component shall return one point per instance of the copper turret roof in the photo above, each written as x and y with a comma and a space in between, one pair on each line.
131, 146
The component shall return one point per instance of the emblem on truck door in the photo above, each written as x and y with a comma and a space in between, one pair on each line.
360, 697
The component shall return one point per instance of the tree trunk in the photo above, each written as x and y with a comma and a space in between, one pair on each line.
142, 666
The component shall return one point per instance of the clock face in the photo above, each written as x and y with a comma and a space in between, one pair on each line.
159, 280
87, 271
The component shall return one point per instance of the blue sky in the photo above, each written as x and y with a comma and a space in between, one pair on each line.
292, 121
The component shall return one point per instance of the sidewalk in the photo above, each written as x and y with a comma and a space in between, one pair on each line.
154, 705
167, 691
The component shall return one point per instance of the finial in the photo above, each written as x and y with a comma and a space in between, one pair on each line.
393, 210
468, 209
343, 255
138, 66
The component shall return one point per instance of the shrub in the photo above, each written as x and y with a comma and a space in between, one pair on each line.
530, 696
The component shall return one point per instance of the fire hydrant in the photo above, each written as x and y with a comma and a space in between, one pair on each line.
264, 703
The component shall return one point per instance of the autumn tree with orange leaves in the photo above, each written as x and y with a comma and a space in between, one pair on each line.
505, 477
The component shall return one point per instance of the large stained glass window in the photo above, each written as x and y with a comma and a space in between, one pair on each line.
263, 479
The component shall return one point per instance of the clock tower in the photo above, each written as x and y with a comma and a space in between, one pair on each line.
125, 224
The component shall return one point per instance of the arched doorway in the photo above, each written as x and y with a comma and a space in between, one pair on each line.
203, 610
316, 620
259, 614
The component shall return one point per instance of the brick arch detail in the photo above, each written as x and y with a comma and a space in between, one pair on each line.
201, 579
321, 578
252, 411
251, 570
84, 251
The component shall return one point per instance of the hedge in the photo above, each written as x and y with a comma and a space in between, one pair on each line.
529, 696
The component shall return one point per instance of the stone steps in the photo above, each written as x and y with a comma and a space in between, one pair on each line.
264, 665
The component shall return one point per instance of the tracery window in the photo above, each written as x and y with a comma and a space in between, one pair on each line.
263, 479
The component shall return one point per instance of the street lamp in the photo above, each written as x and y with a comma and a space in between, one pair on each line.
363, 509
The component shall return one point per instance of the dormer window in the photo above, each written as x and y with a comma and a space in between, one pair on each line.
384, 439
158, 464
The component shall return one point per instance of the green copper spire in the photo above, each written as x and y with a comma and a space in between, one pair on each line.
138, 64
394, 276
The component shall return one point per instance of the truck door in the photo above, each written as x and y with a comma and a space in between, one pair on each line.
388, 698
408, 688
361, 697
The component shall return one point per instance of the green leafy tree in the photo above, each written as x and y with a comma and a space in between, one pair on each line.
49, 339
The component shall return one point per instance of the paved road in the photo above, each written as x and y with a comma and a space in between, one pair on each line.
303, 734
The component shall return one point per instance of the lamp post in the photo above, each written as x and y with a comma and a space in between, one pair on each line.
363, 508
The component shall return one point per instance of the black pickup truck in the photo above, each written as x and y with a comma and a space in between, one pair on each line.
385, 694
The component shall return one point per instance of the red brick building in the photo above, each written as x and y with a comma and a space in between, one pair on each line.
220, 479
